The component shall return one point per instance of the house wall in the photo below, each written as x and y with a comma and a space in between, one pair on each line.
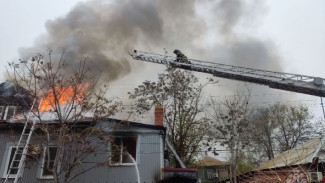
205, 174
223, 172
149, 160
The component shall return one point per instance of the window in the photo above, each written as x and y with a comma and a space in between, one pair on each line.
123, 150
48, 162
1, 111
211, 174
11, 153
9, 112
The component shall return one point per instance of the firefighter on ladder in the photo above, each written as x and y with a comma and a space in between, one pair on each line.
180, 57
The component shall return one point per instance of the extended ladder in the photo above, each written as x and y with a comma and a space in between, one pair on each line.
279, 80
19, 156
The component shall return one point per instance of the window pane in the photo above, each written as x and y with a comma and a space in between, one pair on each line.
15, 164
116, 151
46, 171
52, 153
1, 111
122, 149
49, 162
115, 157
130, 149
11, 112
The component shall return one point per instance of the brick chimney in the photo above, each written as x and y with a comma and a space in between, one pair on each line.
159, 115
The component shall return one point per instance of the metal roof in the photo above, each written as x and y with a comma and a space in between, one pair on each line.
209, 161
300, 155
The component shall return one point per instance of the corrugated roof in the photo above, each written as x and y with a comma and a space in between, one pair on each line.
209, 161
296, 156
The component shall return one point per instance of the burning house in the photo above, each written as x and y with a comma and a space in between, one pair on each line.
133, 153
144, 159
13, 100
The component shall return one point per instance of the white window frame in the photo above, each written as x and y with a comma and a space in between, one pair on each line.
42, 165
6, 112
1, 111
7, 164
120, 163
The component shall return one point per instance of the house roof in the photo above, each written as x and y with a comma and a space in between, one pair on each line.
300, 155
87, 123
209, 161
11, 94
135, 124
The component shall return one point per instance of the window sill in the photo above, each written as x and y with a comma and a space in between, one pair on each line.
46, 177
10, 176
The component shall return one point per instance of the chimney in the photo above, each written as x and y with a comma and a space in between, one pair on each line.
159, 115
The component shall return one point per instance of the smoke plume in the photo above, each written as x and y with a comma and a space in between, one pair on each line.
102, 32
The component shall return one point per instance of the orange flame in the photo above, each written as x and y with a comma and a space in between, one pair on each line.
64, 95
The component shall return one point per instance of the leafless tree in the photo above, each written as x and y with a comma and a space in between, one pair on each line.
180, 95
230, 118
70, 96
280, 127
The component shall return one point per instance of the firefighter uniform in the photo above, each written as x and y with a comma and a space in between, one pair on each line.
180, 56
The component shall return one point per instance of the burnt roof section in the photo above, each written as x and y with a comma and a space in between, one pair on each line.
14, 95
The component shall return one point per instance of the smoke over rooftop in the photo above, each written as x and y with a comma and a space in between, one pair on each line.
102, 32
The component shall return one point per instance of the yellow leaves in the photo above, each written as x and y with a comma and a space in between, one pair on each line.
66, 138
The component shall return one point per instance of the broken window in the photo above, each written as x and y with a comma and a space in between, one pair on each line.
48, 162
9, 112
12, 172
123, 150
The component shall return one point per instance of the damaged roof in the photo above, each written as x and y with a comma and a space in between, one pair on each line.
300, 155
121, 125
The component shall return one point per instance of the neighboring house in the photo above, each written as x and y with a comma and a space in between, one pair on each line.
305, 163
212, 170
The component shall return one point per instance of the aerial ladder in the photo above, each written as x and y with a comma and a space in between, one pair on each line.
279, 80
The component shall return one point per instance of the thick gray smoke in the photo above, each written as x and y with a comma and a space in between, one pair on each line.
236, 25
102, 32
234, 17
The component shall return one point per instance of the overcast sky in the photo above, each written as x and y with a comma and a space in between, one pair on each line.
296, 29
296, 26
